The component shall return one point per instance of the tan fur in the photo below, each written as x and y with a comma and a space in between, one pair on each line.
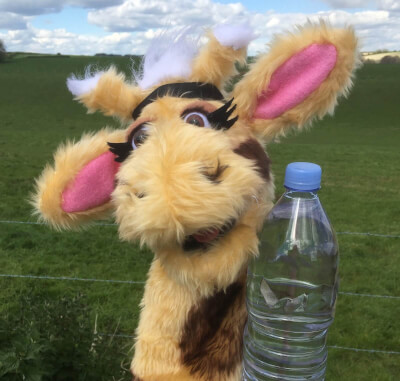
321, 101
161, 321
179, 202
215, 63
157, 352
113, 96
168, 169
69, 160
216, 271
164, 195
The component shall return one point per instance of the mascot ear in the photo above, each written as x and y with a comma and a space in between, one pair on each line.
77, 189
106, 91
299, 79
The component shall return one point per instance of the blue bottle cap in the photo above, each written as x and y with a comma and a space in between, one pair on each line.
303, 176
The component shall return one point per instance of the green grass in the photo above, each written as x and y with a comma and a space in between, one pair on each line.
358, 149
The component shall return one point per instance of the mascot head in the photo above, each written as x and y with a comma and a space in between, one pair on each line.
189, 177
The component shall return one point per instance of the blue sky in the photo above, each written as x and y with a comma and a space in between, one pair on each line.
127, 26
74, 19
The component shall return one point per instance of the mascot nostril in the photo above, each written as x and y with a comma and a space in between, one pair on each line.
190, 178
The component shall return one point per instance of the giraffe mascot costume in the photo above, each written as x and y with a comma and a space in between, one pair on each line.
189, 177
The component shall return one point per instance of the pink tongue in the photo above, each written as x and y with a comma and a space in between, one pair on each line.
206, 236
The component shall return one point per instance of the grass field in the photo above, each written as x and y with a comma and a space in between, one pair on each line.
49, 330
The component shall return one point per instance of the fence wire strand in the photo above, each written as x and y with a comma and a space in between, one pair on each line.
125, 336
47, 277
113, 224
369, 295
42, 223
363, 350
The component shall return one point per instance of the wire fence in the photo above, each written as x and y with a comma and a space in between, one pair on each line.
48, 277
116, 281
124, 336
113, 224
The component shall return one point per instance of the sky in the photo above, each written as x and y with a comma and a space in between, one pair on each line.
87, 27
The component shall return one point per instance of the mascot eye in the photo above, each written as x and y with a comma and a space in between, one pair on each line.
197, 119
139, 136
135, 139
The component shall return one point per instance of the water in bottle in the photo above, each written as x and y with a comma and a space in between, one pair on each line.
292, 285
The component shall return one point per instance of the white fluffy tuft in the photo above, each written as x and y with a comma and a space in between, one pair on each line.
236, 36
169, 56
78, 86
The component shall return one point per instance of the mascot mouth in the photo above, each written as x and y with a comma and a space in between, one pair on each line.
204, 238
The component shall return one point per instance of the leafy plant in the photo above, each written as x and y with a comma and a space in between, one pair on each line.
390, 60
48, 339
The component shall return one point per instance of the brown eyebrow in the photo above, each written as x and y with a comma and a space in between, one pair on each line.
180, 90
201, 106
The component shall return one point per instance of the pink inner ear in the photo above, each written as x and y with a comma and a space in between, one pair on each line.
92, 186
295, 80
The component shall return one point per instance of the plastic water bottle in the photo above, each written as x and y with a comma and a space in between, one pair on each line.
292, 285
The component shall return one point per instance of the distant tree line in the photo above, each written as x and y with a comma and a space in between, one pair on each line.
115, 55
380, 51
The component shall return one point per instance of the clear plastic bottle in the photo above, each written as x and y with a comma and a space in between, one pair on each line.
292, 285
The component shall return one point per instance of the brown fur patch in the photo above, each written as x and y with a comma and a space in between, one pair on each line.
252, 149
136, 378
211, 342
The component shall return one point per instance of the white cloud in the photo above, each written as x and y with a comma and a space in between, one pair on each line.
29, 7
13, 13
349, 3
60, 40
133, 23
137, 15
390, 5
358, 19
95, 4
12, 21
39, 7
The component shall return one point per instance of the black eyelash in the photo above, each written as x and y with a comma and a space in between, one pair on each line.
122, 150
219, 118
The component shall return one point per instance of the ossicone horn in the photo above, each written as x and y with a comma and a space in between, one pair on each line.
216, 61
